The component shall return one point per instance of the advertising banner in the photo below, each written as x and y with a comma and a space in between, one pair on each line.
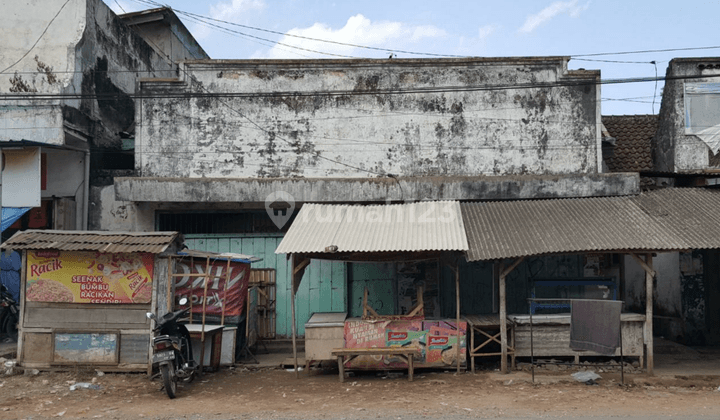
89, 277
233, 296
437, 342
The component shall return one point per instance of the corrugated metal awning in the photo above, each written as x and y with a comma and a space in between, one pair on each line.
663, 220
414, 227
101, 241
219, 256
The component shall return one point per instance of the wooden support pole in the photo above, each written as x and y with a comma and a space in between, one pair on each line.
503, 312
206, 280
170, 300
224, 298
649, 313
645, 266
456, 269
298, 269
503, 321
192, 289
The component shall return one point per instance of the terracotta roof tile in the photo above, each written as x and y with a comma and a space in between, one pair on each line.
633, 147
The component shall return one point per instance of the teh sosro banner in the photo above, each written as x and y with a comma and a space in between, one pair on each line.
233, 295
88, 277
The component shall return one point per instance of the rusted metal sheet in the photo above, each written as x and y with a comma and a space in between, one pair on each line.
115, 242
663, 220
423, 226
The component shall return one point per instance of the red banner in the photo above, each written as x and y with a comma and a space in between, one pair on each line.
233, 296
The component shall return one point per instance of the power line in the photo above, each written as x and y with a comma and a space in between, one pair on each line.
414, 90
346, 44
39, 38
646, 51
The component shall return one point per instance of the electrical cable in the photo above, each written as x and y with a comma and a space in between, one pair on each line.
39, 38
346, 44
416, 90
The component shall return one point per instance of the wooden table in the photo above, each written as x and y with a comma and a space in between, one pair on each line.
212, 332
487, 325
407, 353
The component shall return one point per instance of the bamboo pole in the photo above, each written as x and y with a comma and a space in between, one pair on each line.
170, 280
205, 286
192, 287
224, 298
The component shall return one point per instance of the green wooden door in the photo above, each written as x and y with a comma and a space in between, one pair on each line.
323, 286
379, 278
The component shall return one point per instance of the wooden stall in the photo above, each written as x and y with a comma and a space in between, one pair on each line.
551, 335
84, 296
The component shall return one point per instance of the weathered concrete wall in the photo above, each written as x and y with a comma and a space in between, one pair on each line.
86, 50
343, 190
46, 68
667, 299
674, 151
360, 118
110, 214
162, 29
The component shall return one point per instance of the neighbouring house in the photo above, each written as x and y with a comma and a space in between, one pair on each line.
216, 145
68, 73
684, 151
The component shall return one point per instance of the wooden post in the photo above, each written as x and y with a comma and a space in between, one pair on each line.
647, 265
170, 280
503, 321
297, 270
224, 298
456, 269
192, 288
503, 312
205, 286
649, 313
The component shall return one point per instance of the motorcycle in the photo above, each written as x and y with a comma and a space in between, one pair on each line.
9, 315
172, 351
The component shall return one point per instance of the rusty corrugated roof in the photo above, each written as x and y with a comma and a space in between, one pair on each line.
78, 240
422, 226
662, 220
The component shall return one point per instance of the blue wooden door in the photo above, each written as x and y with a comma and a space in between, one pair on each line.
323, 286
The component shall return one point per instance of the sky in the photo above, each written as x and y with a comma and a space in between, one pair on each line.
476, 28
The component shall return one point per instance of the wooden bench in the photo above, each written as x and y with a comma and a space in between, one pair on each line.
407, 353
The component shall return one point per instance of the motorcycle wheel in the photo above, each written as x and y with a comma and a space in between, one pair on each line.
169, 380
9, 325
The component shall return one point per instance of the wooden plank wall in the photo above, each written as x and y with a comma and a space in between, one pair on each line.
323, 287
554, 340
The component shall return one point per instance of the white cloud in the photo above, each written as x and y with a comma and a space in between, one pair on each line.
235, 11
358, 30
487, 30
559, 7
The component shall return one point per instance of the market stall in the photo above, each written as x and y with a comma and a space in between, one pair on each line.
84, 296
216, 285
426, 231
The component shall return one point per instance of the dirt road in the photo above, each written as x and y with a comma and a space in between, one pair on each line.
275, 393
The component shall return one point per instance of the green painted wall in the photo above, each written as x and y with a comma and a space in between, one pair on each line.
323, 286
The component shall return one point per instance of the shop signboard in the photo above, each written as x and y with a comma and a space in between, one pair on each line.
89, 277
233, 295
436, 341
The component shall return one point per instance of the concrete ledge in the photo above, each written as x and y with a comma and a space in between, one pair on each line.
364, 190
